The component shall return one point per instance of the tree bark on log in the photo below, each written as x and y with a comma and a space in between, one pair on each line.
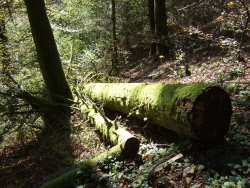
114, 134
70, 179
126, 148
199, 111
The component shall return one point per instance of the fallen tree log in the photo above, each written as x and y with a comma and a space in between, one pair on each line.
199, 111
70, 179
126, 146
112, 132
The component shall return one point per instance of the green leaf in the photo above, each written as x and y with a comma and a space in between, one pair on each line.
233, 179
246, 171
200, 167
237, 166
246, 180
207, 176
244, 162
241, 183
139, 181
216, 176
233, 173
184, 181
229, 184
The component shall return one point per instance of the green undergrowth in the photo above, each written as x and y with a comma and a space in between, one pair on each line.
226, 165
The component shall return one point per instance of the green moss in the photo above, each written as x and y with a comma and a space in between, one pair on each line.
70, 179
234, 87
163, 104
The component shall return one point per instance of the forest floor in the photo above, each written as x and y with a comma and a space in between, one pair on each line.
31, 163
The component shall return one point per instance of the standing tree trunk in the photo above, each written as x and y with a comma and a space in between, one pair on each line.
200, 111
4, 51
115, 62
161, 31
126, 22
152, 26
50, 63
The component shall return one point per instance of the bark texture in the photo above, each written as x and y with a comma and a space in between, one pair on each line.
71, 178
50, 65
48, 56
126, 148
200, 111
114, 134
115, 61
4, 51
152, 26
161, 30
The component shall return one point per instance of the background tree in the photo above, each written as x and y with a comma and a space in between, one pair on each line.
115, 61
50, 64
158, 28
161, 31
152, 26
4, 51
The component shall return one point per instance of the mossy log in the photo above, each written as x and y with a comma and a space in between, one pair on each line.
199, 111
126, 148
113, 133
71, 178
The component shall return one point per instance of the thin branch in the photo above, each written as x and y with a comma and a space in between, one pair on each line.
5, 94
188, 6
66, 100
19, 112
246, 23
84, 97
40, 102
13, 80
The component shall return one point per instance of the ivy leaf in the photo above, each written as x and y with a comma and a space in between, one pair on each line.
241, 183
233, 179
207, 176
234, 173
244, 162
216, 176
200, 167
229, 184
236, 166
184, 181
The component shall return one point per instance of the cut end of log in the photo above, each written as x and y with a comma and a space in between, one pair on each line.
131, 148
211, 114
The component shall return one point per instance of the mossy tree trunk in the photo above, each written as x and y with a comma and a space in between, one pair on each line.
50, 63
200, 111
